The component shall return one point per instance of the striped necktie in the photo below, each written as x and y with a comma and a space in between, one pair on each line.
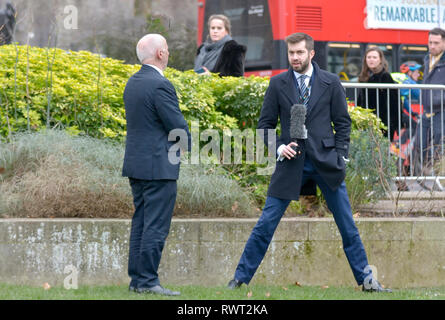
304, 90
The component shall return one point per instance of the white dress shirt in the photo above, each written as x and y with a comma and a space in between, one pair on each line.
156, 68
308, 74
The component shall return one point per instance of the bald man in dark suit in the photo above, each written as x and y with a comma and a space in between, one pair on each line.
152, 113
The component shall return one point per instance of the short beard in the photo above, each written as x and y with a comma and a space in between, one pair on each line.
304, 67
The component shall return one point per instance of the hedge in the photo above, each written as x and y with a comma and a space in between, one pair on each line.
82, 93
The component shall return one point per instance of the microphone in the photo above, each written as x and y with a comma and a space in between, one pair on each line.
297, 127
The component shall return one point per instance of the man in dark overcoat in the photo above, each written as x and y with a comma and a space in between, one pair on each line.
321, 158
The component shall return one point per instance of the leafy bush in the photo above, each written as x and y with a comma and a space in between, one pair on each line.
371, 168
197, 101
365, 119
83, 93
241, 98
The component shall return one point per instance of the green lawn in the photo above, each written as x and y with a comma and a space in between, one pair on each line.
253, 292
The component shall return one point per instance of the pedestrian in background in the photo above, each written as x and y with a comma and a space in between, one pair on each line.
433, 102
403, 140
375, 70
411, 97
220, 54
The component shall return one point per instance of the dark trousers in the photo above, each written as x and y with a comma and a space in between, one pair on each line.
338, 204
154, 202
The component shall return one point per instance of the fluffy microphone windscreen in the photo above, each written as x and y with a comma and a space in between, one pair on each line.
297, 119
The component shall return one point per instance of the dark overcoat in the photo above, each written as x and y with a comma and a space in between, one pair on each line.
434, 76
231, 60
378, 101
327, 111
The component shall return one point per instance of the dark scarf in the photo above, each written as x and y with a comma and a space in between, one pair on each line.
209, 53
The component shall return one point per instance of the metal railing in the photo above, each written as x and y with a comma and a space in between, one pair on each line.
419, 143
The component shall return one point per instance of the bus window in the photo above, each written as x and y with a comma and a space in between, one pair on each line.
344, 59
251, 27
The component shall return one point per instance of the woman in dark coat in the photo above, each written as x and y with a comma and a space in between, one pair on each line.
375, 70
221, 54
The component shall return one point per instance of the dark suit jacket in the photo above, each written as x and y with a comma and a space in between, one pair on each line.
327, 104
152, 111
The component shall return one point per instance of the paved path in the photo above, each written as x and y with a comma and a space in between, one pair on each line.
416, 201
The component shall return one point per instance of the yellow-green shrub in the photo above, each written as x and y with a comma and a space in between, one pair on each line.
83, 90
84, 93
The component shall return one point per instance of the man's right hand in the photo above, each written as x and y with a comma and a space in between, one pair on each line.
287, 152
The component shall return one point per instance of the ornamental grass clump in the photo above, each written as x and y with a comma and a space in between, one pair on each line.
50, 174
208, 191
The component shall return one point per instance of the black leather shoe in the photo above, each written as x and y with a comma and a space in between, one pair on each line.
234, 284
159, 290
374, 286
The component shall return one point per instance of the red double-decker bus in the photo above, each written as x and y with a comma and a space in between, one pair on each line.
338, 28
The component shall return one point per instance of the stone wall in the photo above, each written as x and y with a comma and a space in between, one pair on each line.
406, 252
111, 27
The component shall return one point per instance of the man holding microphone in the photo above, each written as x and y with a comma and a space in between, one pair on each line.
317, 156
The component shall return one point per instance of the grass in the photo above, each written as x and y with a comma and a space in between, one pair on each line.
247, 293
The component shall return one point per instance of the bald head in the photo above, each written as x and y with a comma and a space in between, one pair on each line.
153, 49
